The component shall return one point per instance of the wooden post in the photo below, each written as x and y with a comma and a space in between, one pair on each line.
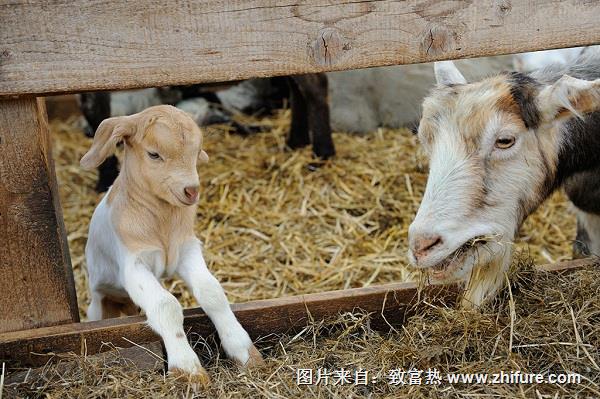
36, 280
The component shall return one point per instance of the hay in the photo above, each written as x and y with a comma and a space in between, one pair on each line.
546, 323
273, 226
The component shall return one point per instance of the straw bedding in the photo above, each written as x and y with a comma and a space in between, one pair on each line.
275, 223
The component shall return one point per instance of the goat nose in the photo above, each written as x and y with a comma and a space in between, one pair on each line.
422, 245
191, 193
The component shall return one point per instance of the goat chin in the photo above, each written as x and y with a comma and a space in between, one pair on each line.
486, 279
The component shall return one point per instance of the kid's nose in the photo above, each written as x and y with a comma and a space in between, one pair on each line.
191, 193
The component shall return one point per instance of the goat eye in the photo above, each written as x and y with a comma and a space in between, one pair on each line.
153, 155
505, 142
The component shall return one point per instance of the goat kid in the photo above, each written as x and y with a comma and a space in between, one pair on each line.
498, 148
143, 229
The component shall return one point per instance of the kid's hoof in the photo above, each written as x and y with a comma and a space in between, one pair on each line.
198, 379
255, 359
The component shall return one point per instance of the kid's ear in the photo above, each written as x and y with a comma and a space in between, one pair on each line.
569, 97
110, 132
202, 156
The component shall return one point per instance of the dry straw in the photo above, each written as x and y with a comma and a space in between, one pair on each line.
552, 320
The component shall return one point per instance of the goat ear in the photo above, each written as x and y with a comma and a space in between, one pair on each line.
569, 97
110, 132
202, 156
446, 73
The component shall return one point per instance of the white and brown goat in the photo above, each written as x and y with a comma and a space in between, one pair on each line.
143, 229
497, 149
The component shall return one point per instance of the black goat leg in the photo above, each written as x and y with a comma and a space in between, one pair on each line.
95, 107
313, 88
582, 241
299, 135
107, 173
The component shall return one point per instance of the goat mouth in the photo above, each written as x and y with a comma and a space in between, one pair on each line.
183, 201
453, 261
186, 202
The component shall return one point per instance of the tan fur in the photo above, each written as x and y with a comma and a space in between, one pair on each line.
143, 222
144, 230
147, 195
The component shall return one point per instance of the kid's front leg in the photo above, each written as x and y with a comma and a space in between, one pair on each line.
209, 294
165, 317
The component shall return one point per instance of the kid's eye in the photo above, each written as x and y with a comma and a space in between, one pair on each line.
153, 155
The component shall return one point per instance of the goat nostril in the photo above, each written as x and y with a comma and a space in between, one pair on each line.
426, 244
434, 243
191, 192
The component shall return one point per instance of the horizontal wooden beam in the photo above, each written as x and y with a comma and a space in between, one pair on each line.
388, 304
569, 265
69, 46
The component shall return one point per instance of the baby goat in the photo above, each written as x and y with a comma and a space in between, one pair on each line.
144, 228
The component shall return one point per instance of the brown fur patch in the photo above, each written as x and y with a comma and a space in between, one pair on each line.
112, 308
507, 104
585, 102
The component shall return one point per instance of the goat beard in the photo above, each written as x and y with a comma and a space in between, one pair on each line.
487, 278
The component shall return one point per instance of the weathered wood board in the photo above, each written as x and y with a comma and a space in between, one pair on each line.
36, 283
143, 357
68, 46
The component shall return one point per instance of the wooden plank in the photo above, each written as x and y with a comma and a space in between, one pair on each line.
388, 304
570, 265
67, 46
36, 288
143, 357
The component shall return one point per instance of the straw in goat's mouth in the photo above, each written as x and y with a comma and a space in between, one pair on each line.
460, 253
